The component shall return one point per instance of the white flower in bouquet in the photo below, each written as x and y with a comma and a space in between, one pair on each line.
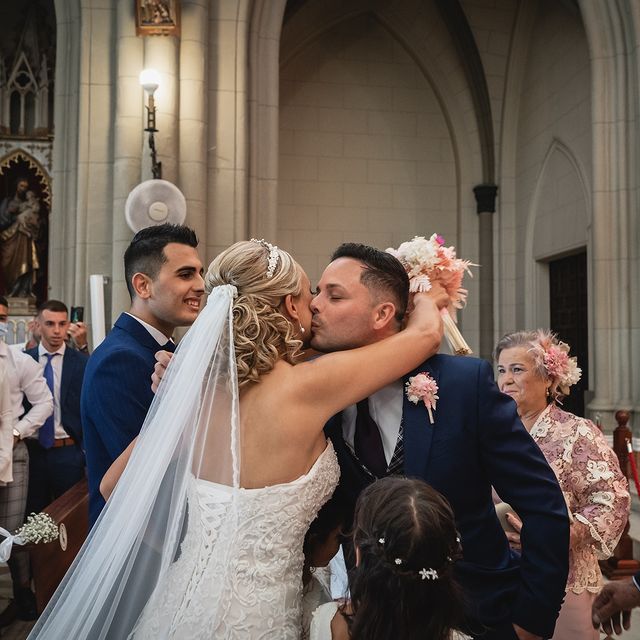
429, 261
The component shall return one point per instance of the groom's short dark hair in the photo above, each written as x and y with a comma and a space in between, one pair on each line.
145, 253
383, 273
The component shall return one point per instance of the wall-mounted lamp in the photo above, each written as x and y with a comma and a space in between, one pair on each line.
150, 81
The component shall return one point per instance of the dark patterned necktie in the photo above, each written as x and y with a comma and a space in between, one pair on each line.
46, 435
367, 441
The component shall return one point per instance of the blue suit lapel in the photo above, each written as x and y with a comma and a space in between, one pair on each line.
418, 430
134, 328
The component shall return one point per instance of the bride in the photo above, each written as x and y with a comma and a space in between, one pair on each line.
202, 536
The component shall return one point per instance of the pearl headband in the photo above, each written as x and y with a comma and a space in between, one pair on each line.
273, 255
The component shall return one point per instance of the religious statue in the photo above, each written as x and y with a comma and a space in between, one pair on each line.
19, 227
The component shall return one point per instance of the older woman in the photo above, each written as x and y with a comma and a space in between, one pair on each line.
535, 369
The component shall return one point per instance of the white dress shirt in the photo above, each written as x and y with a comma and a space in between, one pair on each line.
385, 407
56, 364
156, 334
26, 380
6, 427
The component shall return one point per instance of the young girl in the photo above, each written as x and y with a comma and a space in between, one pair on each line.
405, 542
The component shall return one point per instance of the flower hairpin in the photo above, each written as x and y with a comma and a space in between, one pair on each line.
423, 387
560, 366
428, 574
273, 255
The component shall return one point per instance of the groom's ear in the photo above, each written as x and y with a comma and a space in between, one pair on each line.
384, 315
290, 307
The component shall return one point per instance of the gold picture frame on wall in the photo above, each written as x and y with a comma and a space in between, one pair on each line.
157, 17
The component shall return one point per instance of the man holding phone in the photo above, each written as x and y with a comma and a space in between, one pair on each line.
77, 330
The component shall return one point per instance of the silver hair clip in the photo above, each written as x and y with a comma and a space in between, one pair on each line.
381, 540
428, 574
273, 255
398, 560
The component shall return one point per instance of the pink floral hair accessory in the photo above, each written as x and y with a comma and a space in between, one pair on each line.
558, 365
423, 387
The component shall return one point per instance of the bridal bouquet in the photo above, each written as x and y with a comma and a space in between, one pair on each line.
428, 261
39, 527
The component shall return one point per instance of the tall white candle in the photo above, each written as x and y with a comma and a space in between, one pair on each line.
96, 292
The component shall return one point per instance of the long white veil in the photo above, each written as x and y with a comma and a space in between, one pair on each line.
191, 430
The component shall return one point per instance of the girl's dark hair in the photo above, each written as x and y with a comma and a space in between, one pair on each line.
404, 530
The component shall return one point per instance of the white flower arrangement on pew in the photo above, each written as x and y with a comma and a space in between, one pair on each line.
39, 527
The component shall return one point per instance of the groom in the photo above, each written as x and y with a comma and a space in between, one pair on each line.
476, 441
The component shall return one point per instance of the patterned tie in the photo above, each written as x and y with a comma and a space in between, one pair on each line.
367, 441
46, 434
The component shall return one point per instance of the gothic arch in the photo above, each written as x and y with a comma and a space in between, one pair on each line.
536, 273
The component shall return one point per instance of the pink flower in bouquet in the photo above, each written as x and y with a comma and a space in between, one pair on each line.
423, 387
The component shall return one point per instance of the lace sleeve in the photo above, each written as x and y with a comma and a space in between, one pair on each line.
599, 489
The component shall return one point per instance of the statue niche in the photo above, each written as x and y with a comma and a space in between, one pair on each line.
24, 208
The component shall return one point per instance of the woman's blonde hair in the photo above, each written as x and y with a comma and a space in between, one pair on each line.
262, 333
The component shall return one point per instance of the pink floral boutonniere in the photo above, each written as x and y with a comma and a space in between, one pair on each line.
423, 387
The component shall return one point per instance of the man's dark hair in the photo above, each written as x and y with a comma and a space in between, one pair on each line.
4, 302
145, 253
53, 305
383, 273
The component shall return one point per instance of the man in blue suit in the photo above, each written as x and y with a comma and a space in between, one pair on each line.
476, 441
164, 277
56, 459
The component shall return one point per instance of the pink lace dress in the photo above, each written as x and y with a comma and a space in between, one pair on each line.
598, 502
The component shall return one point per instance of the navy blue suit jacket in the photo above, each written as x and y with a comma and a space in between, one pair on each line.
116, 396
73, 368
477, 441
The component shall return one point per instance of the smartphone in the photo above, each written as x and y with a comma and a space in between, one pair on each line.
77, 314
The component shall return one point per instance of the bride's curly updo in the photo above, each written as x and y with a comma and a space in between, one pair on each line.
262, 334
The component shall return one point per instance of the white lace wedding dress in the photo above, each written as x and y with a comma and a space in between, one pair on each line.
249, 565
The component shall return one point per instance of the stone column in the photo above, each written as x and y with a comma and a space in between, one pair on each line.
228, 124
192, 167
486, 206
128, 130
612, 43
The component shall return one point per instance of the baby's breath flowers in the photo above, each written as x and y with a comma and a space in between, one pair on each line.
39, 527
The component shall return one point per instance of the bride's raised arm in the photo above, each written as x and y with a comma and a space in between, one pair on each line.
336, 380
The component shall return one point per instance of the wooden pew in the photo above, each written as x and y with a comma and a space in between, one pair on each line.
50, 561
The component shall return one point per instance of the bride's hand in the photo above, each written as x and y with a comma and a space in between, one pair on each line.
162, 362
438, 294
425, 311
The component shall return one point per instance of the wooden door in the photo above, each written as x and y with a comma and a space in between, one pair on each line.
569, 318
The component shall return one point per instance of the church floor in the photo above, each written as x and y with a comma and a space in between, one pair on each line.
19, 630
